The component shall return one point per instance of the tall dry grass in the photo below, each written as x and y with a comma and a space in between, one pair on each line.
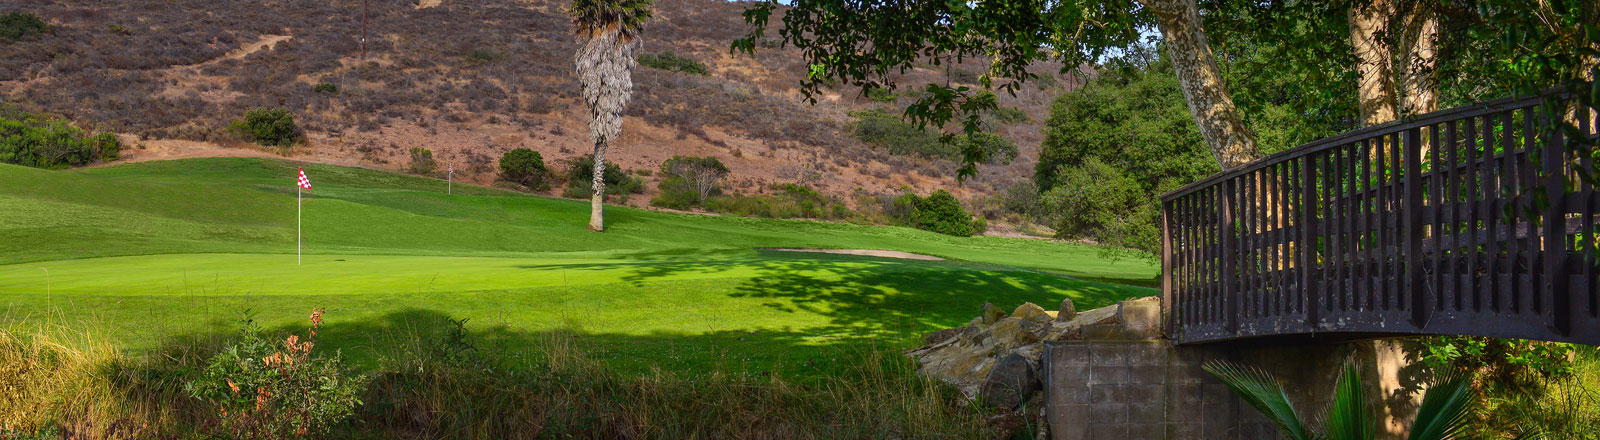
436, 383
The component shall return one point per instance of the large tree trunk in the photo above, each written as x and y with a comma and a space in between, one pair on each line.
1369, 25
1203, 86
605, 71
597, 201
1417, 88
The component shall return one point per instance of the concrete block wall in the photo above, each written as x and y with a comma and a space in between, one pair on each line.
1150, 389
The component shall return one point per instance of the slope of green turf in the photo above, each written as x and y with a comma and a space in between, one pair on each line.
157, 250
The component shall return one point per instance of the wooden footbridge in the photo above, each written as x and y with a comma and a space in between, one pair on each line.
1392, 230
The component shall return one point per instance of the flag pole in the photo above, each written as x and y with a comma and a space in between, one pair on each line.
298, 206
450, 180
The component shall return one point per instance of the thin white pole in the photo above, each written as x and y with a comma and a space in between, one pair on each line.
46, 286
450, 181
298, 206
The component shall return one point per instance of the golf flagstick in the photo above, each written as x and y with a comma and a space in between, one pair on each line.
299, 186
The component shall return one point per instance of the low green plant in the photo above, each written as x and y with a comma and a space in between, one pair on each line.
41, 142
1099, 202
266, 387
878, 127
273, 127
689, 181
881, 94
525, 167
17, 24
484, 56
938, 212
580, 175
325, 88
1444, 414
670, 61
1010, 115
422, 161
118, 29
791, 201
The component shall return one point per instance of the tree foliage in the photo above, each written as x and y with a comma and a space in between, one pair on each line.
689, 181
938, 212
272, 127
525, 167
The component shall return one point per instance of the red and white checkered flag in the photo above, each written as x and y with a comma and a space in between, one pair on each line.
304, 182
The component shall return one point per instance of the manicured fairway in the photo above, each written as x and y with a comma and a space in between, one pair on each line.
149, 252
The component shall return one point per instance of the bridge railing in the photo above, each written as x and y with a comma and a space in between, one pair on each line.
1394, 229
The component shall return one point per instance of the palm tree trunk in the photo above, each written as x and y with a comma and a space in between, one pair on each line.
597, 201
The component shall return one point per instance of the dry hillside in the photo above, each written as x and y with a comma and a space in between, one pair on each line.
468, 79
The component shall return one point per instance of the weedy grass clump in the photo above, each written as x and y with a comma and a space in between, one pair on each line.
441, 380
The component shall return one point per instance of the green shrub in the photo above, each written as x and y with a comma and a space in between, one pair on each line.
580, 180
938, 212
881, 94
484, 56
422, 161
1010, 115
792, 201
1099, 202
265, 387
673, 62
689, 180
118, 29
879, 128
273, 127
34, 141
525, 167
325, 88
16, 24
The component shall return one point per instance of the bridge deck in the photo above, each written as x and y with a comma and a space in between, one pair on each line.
1393, 230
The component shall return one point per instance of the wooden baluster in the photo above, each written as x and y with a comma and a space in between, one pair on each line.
1421, 310
1555, 234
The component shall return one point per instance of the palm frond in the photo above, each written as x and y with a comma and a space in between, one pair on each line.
1444, 411
627, 16
1350, 417
1263, 392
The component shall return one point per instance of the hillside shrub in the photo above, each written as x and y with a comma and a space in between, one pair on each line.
17, 24
266, 387
881, 94
791, 201
689, 180
422, 161
580, 176
482, 56
118, 29
34, 141
670, 61
938, 212
272, 127
525, 167
879, 128
325, 88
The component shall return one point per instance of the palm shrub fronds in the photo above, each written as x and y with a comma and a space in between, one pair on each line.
1442, 416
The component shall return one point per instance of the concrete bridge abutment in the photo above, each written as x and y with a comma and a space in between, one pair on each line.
1126, 381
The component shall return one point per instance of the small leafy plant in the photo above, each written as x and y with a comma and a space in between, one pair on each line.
273, 127
265, 387
1444, 414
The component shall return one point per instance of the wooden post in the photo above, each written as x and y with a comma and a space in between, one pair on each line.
1421, 306
363, 29
1555, 233
1166, 269
1308, 241
1230, 304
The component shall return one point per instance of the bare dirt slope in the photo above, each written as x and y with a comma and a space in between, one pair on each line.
468, 80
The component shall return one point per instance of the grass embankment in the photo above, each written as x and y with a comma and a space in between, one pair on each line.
156, 252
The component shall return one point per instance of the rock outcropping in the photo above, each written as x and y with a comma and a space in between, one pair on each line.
995, 358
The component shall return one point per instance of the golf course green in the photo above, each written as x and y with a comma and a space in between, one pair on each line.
151, 253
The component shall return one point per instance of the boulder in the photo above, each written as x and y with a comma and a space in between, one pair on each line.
1067, 311
942, 335
991, 314
1012, 381
1031, 312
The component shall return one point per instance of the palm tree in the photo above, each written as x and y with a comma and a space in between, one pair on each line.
608, 31
1443, 414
